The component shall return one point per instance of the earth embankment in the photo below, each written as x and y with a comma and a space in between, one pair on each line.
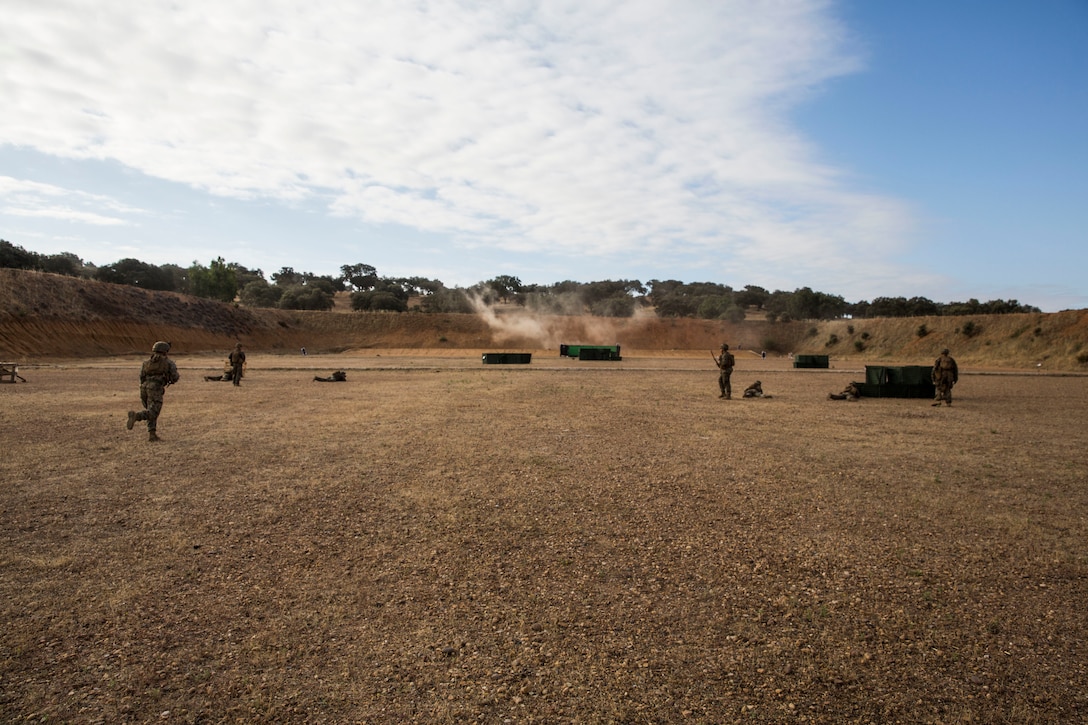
47, 315
44, 316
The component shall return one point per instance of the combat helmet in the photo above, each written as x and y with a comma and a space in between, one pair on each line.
160, 346
725, 346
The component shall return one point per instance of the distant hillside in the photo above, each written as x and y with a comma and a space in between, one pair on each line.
46, 316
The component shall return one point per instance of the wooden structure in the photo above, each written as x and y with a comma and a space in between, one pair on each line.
9, 371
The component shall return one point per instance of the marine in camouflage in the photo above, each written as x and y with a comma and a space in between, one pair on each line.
156, 374
945, 374
725, 362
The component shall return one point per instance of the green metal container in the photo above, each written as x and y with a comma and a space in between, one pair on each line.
597, 353
908, 381
811, 361
591, 352
507, 358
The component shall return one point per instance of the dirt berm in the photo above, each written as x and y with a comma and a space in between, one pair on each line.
44, 316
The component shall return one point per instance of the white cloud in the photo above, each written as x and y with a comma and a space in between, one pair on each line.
22, 198
595, 127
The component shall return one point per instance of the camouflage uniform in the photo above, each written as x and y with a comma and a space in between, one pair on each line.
226, 376
237, 359
155, 374
945, 374
755, 390
725, 363
337, 377
851, 392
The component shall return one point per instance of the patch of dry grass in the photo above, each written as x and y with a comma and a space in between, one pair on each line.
559, 542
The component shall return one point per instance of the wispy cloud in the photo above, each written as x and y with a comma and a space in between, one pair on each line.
22, 198
600, 128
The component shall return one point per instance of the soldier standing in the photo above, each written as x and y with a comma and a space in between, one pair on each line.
237, 359
725, 363
156, 373
945, 374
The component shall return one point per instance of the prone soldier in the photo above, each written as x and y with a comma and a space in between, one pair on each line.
226, 376
851, 392
755, 390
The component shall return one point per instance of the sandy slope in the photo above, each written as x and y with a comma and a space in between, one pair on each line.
44, 317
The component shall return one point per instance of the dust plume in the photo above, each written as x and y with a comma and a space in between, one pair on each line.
544, 330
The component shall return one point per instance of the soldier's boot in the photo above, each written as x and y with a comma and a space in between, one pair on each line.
153, 436
131, 419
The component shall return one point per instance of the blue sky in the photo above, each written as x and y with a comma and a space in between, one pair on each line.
861, 148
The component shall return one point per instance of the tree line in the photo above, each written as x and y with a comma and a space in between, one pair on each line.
369, 291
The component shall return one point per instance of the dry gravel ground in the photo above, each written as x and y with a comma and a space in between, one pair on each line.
438, 540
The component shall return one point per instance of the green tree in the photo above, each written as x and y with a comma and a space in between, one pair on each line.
64, 263
659, 289
734, 314
505, 286
287, 276
13, 256
259, 293
137, 274
751, 296
359, 276
378, 300
447, 300
301, 297
806, 304
419, 285
243, 276
622, 306
676, 305
180, 275
215, 282
713, 307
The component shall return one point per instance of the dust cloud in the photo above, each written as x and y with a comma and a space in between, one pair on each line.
523, 327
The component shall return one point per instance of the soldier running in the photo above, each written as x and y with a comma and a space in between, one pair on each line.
156, 373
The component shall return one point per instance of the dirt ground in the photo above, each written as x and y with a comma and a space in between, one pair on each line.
437, 541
